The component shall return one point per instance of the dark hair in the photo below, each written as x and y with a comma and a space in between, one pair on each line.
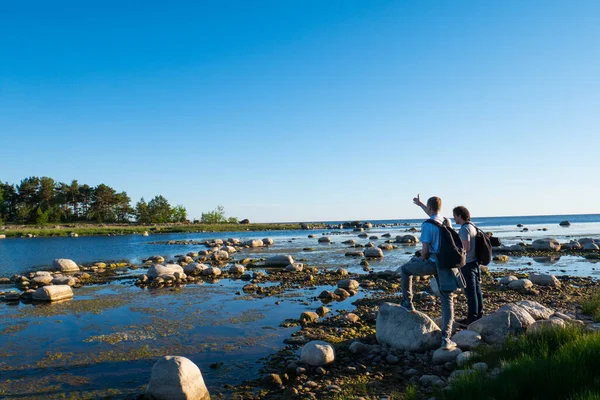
435, 203
462, 212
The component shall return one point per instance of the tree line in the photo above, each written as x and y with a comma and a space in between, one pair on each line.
42, 200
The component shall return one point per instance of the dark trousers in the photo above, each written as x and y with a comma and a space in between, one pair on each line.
472, 274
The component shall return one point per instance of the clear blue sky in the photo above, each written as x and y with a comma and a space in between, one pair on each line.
308, 110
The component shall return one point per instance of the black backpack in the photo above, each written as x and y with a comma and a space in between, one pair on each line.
451, 253
483, 246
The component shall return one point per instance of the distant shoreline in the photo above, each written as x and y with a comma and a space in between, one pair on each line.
12, 231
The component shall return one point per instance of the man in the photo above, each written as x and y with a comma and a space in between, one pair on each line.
426, 264
471, 271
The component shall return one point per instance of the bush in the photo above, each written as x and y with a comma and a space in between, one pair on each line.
592, 307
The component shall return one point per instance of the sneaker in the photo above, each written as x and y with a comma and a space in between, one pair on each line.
447, 344
407, 305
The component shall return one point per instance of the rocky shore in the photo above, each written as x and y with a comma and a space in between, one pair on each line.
344, 354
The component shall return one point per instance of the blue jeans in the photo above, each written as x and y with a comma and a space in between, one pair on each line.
472, 274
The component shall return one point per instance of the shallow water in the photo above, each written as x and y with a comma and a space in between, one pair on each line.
107, 339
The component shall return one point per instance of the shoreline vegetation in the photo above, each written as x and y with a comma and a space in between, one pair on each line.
15, 231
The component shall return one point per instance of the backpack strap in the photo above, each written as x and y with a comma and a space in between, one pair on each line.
434, 222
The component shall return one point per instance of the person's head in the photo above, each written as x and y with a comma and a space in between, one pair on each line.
461, 214
434, 204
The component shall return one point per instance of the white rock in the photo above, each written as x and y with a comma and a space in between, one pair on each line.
65, 265
228, 249
495, 327
157, 270
524, 317
43, 280
237, 269
254, 243
53, 293
221, 255
535, 309
176, 378
442, 356
544, 280
317, 353
295, 267
400, 329
279, 261
467, 340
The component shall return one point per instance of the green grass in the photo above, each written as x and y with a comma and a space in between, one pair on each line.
552, 364
591, 307
108, 229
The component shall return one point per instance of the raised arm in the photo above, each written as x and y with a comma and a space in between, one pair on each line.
417, 201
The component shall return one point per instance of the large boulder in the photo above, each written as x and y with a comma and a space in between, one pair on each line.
466, 339
279, 261
403, 330
53, 293
317, 353
524, 317
157, 270
495, 327
65, 265
268, 241
373, 252
544, 280
324, 239
176, 378
535, 309
546, 244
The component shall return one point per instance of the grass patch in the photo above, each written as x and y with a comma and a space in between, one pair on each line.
551, 364
591, 307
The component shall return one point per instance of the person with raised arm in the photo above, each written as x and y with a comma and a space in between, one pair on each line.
449, 280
